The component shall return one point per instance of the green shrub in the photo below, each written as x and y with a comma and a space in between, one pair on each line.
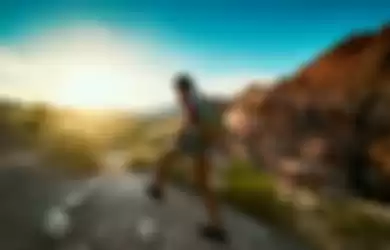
255, 193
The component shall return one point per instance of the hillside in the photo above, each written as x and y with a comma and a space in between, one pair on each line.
331, 114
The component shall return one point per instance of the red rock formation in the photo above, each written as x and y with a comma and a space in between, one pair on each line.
340, 100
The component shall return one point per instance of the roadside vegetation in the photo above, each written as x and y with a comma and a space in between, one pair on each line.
322, 222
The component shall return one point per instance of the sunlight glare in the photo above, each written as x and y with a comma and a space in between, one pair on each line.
92, 87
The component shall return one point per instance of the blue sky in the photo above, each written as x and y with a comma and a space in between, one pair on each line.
216, 39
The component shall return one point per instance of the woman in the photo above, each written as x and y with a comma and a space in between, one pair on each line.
200, 130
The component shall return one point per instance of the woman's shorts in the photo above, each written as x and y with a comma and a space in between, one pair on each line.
190, 143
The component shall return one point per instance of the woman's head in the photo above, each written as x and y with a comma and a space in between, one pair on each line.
183, 83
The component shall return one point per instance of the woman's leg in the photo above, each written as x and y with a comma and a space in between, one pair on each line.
214, 229
202, 176
164, 165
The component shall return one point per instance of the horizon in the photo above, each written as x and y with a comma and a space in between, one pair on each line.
122, 55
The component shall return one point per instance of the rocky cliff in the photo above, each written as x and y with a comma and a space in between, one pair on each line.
328, 121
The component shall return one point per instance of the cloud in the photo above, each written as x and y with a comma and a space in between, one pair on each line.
94, 66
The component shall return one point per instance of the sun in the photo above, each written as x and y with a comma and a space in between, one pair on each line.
89, 88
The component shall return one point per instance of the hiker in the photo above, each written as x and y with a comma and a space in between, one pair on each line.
198, 133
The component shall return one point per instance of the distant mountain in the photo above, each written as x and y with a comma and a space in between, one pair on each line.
161, 113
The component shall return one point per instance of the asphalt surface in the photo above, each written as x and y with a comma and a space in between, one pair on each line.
111, 213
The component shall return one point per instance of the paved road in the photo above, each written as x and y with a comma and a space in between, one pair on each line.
110, 213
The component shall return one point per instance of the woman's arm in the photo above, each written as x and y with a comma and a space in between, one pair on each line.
191, 114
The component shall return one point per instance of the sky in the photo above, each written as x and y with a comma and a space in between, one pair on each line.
122, 54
